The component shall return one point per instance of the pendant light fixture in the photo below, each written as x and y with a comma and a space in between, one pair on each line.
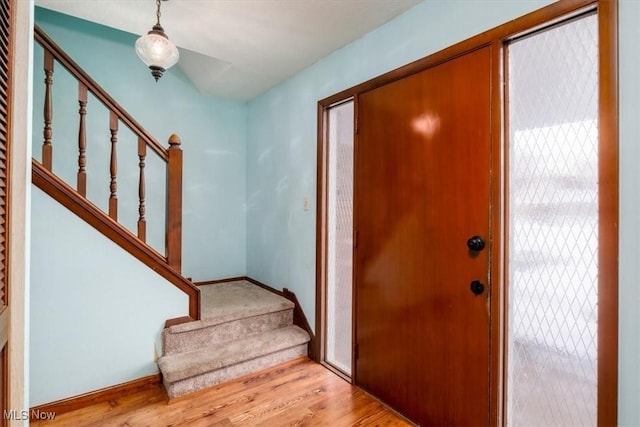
155, 49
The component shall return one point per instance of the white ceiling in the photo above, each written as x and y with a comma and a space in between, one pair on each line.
237, 49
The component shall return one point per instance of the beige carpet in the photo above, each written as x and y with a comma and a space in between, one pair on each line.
239, 299
244, 328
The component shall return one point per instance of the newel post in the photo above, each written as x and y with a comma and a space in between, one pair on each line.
174, 204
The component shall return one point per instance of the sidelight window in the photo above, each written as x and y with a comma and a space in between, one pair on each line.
553, 223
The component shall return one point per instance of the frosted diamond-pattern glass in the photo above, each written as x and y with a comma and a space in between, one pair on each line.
553, 226
340, 237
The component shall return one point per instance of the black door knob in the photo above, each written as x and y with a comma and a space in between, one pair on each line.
475, 243
477, 287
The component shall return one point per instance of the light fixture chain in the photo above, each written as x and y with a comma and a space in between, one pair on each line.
158, 11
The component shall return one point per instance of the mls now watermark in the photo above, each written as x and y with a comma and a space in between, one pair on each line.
36, 414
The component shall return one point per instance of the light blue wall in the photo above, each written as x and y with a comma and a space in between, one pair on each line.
213, 133
629, 309
280, 158
281, 153
96, 312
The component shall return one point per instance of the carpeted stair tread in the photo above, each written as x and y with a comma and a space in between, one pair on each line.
206, 333
226, 302
213, 321
180, 366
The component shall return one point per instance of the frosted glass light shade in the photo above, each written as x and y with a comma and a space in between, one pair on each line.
156, 51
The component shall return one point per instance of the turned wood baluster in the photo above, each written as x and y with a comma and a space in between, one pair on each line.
113, 168
142, 222
174, 204
82, 140
47, 149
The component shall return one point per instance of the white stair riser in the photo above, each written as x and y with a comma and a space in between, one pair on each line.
208, 379
224, 332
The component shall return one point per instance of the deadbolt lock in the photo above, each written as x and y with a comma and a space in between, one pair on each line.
477, 287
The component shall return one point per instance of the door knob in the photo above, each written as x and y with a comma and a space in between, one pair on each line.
477, 287
475, 243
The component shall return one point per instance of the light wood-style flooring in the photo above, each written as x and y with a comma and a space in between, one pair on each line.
297, 393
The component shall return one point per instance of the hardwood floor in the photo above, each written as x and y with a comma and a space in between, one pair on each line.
297, 393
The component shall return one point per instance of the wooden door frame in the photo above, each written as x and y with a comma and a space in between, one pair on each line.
19, 193
8, 23
608, 206
607, 370
322, 204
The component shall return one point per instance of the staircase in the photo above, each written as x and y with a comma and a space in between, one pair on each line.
244, 328
74, 196
234, 328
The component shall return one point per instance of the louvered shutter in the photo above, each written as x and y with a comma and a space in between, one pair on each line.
5, 93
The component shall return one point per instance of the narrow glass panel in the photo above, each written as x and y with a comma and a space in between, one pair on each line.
553, 226
340, 237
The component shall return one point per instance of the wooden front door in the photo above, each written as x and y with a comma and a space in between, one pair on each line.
422, 189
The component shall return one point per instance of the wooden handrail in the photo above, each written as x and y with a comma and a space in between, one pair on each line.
93, 87
94, 216
168, 266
